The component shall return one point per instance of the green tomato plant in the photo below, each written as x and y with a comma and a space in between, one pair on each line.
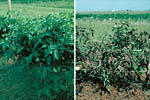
44, 48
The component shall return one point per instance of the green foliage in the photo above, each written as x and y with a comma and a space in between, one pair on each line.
120, 59
43, 47
102, 16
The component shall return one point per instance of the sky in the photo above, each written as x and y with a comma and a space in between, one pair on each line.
109, 5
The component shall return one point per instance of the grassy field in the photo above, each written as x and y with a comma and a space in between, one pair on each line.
38, 8
104, 26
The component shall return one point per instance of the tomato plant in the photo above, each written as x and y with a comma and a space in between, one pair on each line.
122, 58
42, 47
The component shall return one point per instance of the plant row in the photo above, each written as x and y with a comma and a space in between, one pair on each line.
144, 16
44, 46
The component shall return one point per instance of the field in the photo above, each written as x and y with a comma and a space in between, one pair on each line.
103, 21
37, 8
109, 57
37, 50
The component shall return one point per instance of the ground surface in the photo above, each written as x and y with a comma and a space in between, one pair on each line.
88, 91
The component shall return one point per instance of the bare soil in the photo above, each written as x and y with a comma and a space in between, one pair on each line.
90, 91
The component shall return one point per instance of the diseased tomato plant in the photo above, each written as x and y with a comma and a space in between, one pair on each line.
122, 58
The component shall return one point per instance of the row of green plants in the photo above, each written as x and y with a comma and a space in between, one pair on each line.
119, 59
42, 47
144, 16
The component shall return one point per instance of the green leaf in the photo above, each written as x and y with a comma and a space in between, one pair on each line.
56, 55
19, 50
48, 52
134, 66
55, 70
47, 92
44, 73
39, 93
28, 59
48, 60
37, 43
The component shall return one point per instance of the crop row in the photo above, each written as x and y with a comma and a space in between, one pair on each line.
43, 46
145, 16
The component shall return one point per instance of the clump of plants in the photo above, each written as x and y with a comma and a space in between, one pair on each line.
125, 57
122, 59
42, 47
